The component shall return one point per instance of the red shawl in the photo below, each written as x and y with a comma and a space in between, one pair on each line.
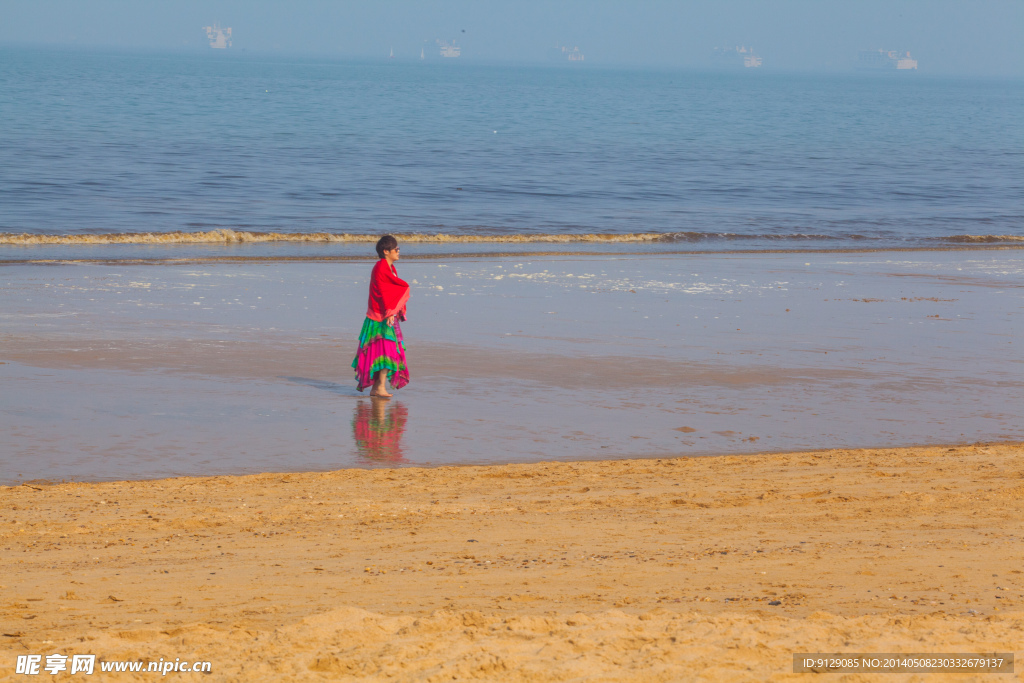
388, 293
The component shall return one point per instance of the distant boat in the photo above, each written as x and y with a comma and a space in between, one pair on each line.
450, 50
220, 38
885, 60
563, 53
740, 55
392, 55
422, 55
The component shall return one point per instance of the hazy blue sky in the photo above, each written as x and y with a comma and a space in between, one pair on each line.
979, 37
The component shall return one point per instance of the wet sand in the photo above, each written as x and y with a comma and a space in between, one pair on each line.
647, 570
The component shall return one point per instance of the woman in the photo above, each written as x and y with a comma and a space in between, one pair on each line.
381, 354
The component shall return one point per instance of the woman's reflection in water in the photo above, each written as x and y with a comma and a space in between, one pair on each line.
377, 427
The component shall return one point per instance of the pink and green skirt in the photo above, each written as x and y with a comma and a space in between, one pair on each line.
380, 348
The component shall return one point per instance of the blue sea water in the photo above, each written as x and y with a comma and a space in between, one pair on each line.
115, 142
132, 369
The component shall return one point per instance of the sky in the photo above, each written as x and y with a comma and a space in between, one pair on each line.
948, 37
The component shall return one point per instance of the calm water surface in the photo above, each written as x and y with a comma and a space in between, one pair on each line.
104, 142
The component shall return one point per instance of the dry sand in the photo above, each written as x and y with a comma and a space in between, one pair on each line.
646, 570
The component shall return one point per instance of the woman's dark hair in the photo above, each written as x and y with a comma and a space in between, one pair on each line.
386, 243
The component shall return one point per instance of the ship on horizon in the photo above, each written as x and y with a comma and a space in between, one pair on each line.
220, 38
449, 50
885, 60
563, 53
740, 55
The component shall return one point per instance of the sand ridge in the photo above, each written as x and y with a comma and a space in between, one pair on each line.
662, 569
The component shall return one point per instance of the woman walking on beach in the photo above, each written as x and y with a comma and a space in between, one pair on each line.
381, 354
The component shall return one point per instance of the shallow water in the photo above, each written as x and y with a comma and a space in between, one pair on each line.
137, 371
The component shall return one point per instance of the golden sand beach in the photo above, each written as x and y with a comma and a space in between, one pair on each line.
716, 568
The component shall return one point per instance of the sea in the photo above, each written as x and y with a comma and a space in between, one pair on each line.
113, 154
604, 263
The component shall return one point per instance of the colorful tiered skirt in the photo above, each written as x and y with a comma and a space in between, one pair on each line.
380, 348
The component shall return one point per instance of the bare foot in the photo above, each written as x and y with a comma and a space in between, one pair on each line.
380, 393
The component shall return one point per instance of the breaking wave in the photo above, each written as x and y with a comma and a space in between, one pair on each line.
228, 236
982, 239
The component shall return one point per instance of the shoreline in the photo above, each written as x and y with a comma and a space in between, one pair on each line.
349, 258
41, 484
526, 572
